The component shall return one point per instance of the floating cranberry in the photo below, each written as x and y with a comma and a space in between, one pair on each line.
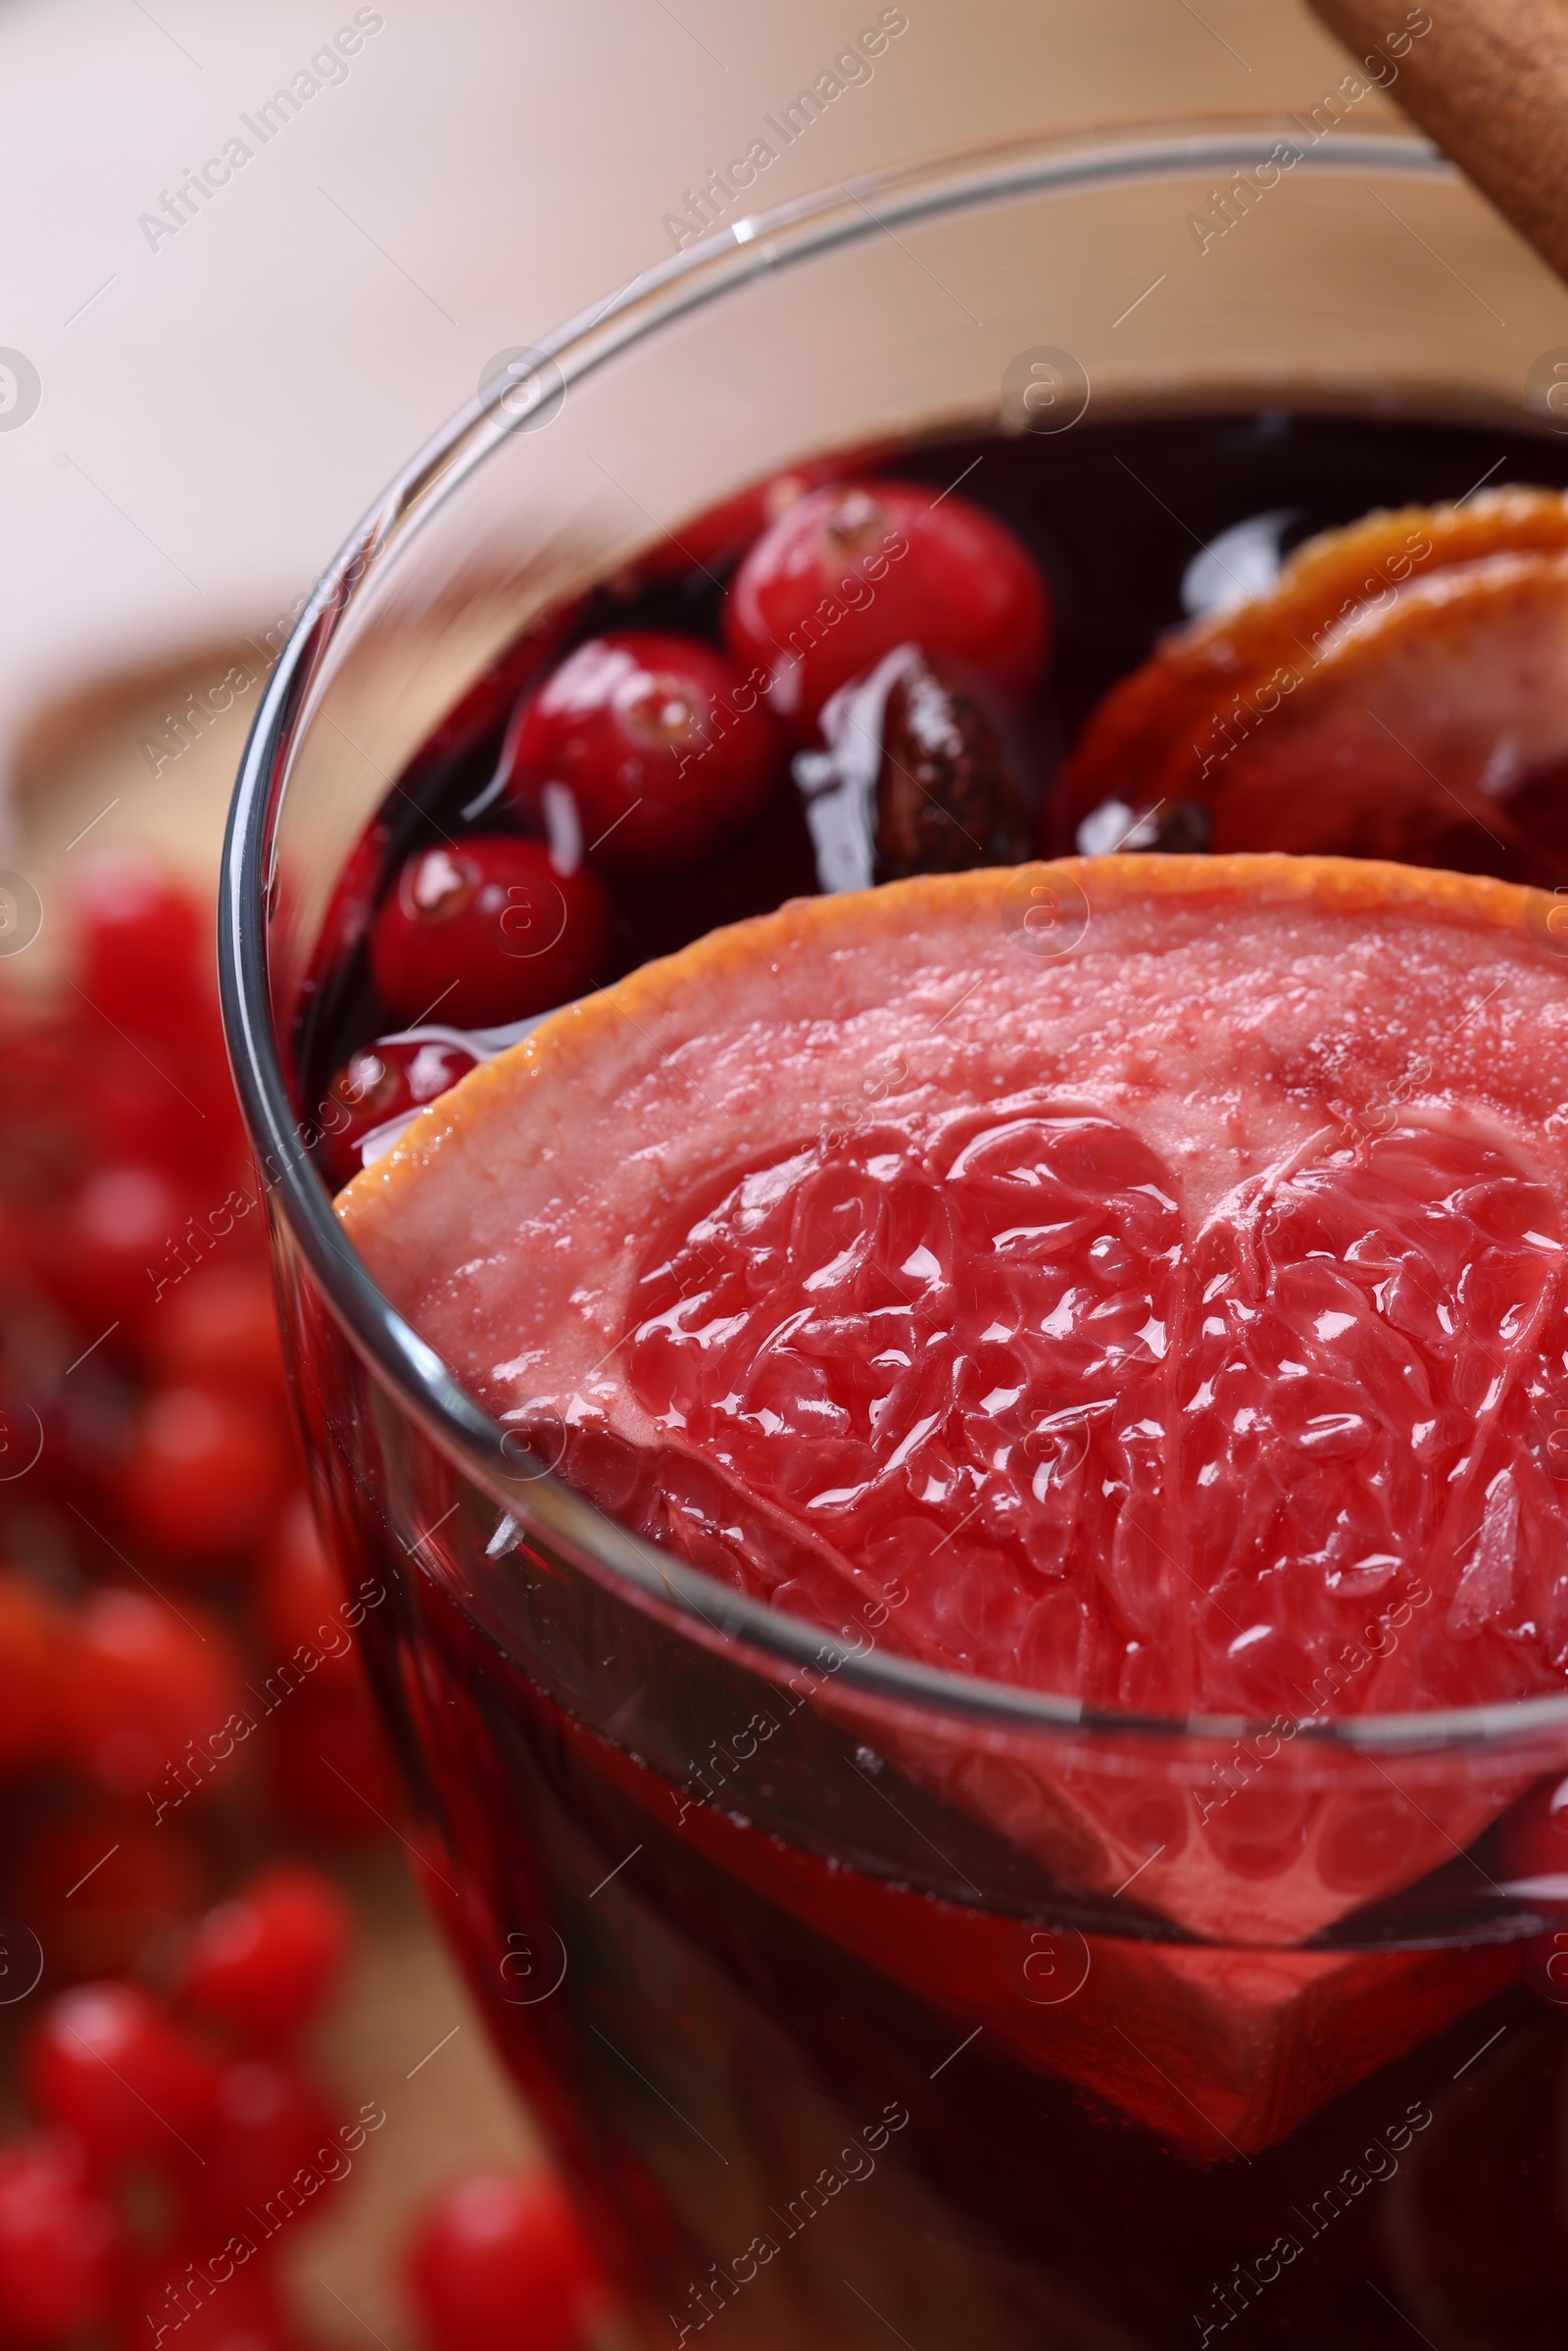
486, 931
500, 2258
57, 2244
711, 541
109, 2064
850, 573
658, 744
149, 1693
206, 1471
491, 698
353, 899
382, 1081
268, 1959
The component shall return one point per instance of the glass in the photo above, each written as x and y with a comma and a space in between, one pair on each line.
830, 1975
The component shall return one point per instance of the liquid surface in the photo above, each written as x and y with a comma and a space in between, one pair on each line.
1134, 527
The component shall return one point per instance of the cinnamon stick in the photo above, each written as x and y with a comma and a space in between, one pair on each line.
1488, 80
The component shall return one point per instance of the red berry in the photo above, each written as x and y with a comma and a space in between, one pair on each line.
139, 943
29, 1693
353, 900
389, 1078
713, 539
57, 2244
658, 742
299, 1594
143, 1687
95, 1099
206, 1471
271, 2142
850, 573
105, 1235
105, 2062
500, 2258
207, 2296
487, 931
102, 1885
492, 696
219, 1329
269, 1959
298, 1591
330, 1774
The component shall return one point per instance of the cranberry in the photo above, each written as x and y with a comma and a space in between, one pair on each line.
353, 899
850, 573
714, 540
218, 1328
299, 1597
92, 1098
57, 2244
501, 2257
330, 1774
207, 2296
658, 744
107, 2063
268, 1959
494, 694
148, 1693
107, 1235
30, 1695
102, 1885
205, 1472
384, 1080
139, 943
270, 2128
488, 931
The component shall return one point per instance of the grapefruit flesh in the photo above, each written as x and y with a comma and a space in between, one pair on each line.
1157, 1473
1401, 692
1207, 1277
1175, 1322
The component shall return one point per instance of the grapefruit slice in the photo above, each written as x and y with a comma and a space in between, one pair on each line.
1173, 1320
1177, 1320
1402, 691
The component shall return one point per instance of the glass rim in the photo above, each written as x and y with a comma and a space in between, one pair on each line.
412, 1373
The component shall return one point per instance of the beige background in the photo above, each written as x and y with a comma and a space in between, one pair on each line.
216, 413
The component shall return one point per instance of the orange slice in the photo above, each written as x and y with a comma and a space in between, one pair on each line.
1402, 691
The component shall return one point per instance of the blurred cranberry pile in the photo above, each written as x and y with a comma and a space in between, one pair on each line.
182, 1704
